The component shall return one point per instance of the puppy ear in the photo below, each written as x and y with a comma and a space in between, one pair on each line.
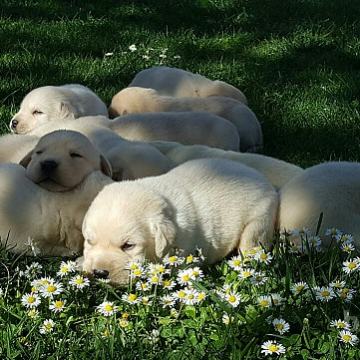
67, 111
26, 160
105, 166
164, 232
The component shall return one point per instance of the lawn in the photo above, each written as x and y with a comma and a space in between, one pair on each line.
298, 62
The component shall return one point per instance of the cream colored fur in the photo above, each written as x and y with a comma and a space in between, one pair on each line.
214, 204
139, 100
278, 172
184, 127
331, 188
180, 83
53, 103
51, 220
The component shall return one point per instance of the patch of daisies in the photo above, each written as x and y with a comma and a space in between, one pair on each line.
246, 283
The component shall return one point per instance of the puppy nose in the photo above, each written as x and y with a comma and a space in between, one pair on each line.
48, 165
101, 273
13, 124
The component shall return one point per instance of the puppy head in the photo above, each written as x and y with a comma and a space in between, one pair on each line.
126, 222
131, 100
63, 159
41, 106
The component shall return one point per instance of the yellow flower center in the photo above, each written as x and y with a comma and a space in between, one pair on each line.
352, 265
232, 299
123, 323
186, 277
346, 337
279, 326
181, 294
154, 279
132, 297
51, 288
137, 272
108, 308
237, 262
79, 281
172, 259
58, 304
264, 303
263, 256
167, 282
189, 259
64, 269
201, 296
325, 293
31, 299
191, 296
273, 348
246, 274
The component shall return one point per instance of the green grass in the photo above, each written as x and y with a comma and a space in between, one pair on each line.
298, 62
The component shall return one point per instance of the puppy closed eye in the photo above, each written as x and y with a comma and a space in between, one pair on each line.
127, 246
38, 152
75, 155
37, 112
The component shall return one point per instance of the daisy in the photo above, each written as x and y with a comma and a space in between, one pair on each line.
258, 279
324, 293
137, 273
337, 284
252, 252
30, 300
246, 273
340, 324
196, 273
57, 306
264, 301
263, 257
167, 301
37, 284
272, 347
201, 296
132, 48
346, 294
158, 269
276, 299
299, 287
345, 238
49, 290
47, 326
143, 286
184, 277
124, 323
232, 298
226, 319
66, 268
80, 282
191, 297
347, 247
173, 260
107, 308
350, 266
333, 232
348, 338
145, 300
33, 313
235, 262
315, 242
191, 259
131, 298
281, 326
155, 279
179, 295
168, 284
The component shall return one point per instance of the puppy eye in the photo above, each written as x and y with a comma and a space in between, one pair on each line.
75, 155
37, 112
127, 246
39, 152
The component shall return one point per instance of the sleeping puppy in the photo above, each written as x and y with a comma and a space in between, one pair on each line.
331, 188
140, 100
54, 103
278, 172
129, 159
180, 83
184, 127
46, 202
214, 204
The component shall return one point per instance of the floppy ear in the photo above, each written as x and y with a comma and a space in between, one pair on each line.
105, 166
164, 232
26, 160
67, 111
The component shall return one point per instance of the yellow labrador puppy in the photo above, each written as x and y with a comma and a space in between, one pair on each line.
331, 188
129, 159
214, 204
54, 103
184, 127
278, 172
180, 83
139, 100
65, 163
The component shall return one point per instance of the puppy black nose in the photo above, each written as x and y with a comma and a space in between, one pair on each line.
101, 273
13, 124
48, 165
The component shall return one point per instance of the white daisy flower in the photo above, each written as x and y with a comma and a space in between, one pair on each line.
191, 259
143, 286
276, 299
57, 306
201, 296
173, 260
347, 247
258, 279
333, 232
30, 300
47, 326
132, 48
191, 297
315, 242
49, 290
196, 273
299, 287
145, 300
350, 266
158, 269
66, 267
324, 293
263, 257
167, 301
252, 252
80, 282
132, 265
246, 273
281, 326
264, 301
272, 347
348, 338
179, 295
236, 263
168, 284
131, 298
340, 324
346, 294
37, 284
345, 238
233, 299
107, 308
137, 273
226, 319
33, 313
184, 277
337, 284
155, 279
